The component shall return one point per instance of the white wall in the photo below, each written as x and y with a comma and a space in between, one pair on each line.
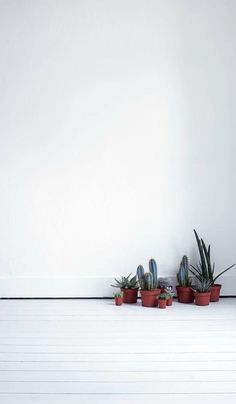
117, 137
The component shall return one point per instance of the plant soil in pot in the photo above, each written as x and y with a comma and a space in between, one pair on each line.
202, 298
185, 294
149, 297
130, 295
215, 293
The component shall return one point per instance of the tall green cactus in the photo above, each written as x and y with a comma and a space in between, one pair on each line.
153, 270
182, 275
148, 280
140, 275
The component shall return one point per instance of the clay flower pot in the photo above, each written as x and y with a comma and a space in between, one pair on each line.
169, 301
215, 293
185, 294
130, 295
202, 298
162, 303
118, 300
149, 297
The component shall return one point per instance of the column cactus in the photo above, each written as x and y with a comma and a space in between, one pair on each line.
148, 280
153, 271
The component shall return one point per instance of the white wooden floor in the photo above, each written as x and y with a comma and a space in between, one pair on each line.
90, 351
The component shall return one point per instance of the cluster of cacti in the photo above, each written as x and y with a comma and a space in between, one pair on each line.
148, 280
182, 274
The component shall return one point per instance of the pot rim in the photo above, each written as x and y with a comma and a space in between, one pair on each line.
150, 292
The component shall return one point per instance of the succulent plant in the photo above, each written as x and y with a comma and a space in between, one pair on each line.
125, 282
118, 294
163, 296
148, 280
182, 275
202, 286
205, 270
170, 291
164, 283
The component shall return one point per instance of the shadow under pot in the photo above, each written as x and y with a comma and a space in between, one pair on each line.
215, 293
130, 295
185, 294
148, 297
202, 298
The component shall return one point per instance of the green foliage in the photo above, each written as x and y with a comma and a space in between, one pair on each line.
164, 296
183, 278
203, 286
205, 269
118, 294
148, 280
169, 290
125, 282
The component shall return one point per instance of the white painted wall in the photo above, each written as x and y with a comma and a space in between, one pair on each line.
117, 137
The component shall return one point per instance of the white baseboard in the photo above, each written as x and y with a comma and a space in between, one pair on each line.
77, 287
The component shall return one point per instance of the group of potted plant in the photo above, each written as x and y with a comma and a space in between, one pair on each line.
151, 294
202, 288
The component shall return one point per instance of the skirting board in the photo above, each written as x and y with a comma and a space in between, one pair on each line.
78, 287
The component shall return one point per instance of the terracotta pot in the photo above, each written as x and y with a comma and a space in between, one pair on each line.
149, 297
118, 301
130, 295
185, 294
215, 293
162, 303
202, 299
169, 301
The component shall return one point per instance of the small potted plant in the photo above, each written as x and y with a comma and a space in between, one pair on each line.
163, 283
184, 291
202, 292
118, 296
162, 300
206, 270
148, 284
170, 292
129, 287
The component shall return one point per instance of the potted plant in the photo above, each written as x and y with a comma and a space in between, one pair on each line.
206, 270
202, 292
162, 300
129, 287
170, 292
118, 296
184, 291
163, 283
148, 284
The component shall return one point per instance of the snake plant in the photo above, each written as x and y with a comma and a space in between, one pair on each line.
205, 269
